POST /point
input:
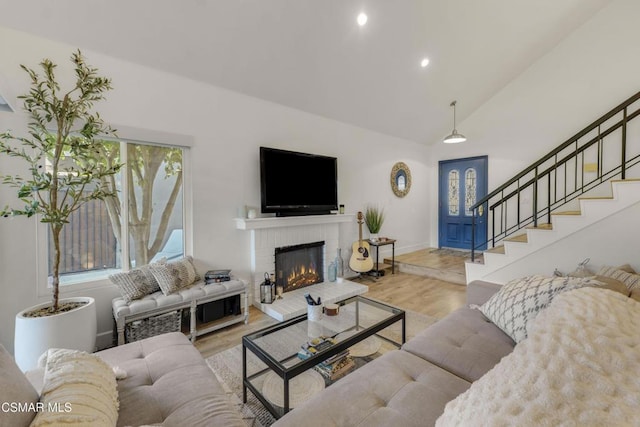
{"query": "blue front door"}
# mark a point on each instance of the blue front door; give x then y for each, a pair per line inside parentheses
(462, 182)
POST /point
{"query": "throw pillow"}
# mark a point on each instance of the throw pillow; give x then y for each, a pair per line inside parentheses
(136, 283)
(631, 281)
(132, 284)
(518, 302)
(175, 275)
(151, 280)
(612, 284)
(79, 388)
(627, 268)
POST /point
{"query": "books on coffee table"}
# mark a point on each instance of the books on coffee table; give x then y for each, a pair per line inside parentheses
(332, 368)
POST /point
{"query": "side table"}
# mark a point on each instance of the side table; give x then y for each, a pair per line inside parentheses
(376, 272)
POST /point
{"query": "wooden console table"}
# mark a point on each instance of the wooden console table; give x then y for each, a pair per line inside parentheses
(376, 271)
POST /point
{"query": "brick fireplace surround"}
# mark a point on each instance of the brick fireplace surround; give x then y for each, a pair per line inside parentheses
(270, 233)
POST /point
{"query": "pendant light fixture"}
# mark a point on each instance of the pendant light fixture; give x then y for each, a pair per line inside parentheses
(455, 137)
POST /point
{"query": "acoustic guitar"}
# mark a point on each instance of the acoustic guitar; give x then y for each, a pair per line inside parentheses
(361, 261)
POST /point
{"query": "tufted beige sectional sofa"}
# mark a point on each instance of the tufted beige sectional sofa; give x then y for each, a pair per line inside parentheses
(168, 383)
(411, 386)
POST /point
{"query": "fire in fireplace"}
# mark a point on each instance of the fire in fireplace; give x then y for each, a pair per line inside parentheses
(299, 265)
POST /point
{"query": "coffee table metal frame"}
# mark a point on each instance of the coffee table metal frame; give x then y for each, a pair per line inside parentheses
(288, 373)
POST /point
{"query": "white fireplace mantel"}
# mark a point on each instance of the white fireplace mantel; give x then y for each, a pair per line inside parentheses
(272, 232)
(291, 221)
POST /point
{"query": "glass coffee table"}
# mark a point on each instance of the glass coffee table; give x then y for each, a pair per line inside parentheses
(277, 346)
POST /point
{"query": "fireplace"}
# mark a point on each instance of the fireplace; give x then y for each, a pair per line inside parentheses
(299, 265)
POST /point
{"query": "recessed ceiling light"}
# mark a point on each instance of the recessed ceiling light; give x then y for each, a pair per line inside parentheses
(362, 19)
(424, 62)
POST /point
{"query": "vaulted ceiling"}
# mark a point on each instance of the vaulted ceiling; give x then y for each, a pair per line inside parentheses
(312, 55)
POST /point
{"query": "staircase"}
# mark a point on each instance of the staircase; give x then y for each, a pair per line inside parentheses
(582, 182)
(520, 254)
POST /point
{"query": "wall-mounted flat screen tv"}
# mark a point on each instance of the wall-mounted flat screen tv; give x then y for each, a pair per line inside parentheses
(293, 183)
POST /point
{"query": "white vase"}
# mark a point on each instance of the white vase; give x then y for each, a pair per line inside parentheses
(75, 329)
(373, 237)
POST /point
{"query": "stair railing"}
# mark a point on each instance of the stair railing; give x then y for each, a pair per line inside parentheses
(559, 177)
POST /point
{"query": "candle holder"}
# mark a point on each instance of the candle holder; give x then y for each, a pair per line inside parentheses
(267, 290)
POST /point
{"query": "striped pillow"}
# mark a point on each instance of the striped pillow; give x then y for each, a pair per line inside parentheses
(83, 388)
(631, 281)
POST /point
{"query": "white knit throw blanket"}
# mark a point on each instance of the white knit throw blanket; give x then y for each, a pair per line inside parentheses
(579, 366)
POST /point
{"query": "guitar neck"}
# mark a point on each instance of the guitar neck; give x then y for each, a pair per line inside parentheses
(360, 234)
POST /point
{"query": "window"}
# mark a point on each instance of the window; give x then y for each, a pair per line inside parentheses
(470, 196)
(143, 224)
(454, 193)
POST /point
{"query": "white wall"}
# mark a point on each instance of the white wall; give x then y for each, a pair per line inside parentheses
(591, 71)
(226, 129)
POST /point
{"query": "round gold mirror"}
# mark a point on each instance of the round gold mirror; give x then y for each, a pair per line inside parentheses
(400, 179)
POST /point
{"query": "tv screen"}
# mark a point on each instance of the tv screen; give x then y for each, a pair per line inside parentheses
(295, 183)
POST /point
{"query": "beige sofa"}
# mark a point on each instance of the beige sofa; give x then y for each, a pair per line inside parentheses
(168, 383)
(467, 364)
(411, 386)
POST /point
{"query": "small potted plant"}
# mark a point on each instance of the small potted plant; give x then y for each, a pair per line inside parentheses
(63, 172)
(373, 218)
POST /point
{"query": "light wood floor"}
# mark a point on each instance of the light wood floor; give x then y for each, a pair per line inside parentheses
(443, 264)
(425, 295)
(432, 258)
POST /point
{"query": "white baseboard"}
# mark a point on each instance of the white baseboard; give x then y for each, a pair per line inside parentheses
(104, 340)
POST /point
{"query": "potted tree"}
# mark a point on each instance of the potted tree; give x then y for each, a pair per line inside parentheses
(373, 218)
(61, 153)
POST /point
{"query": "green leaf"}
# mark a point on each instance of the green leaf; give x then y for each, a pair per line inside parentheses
(24, 191)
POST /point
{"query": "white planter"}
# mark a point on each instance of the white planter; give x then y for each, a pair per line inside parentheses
(75, 329)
